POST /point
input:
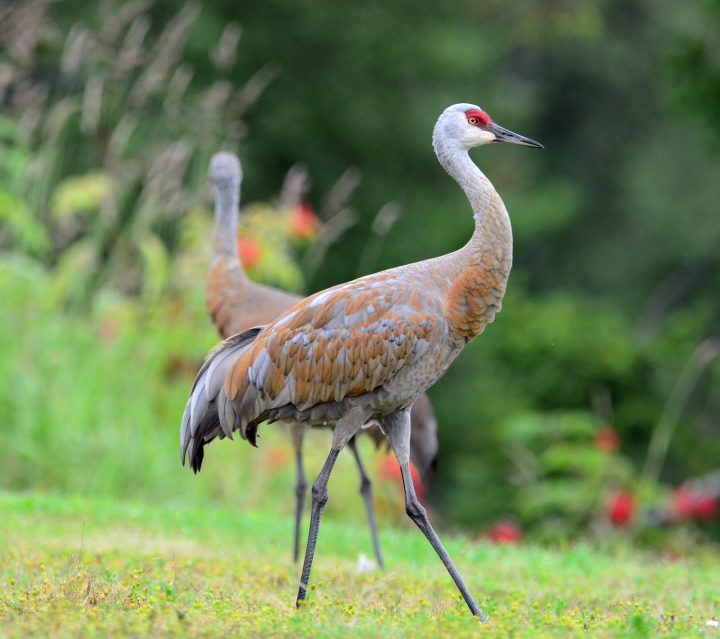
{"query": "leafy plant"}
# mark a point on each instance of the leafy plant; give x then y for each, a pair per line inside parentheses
(107, 140)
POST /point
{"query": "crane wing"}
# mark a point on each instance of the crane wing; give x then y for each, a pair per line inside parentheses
(341, 342)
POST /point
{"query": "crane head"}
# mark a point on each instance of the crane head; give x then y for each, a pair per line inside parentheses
(464, 126)
(225, 171)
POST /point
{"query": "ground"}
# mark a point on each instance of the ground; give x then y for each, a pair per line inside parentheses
(71, 567)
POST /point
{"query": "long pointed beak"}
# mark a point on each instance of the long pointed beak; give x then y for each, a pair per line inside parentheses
(503, 135)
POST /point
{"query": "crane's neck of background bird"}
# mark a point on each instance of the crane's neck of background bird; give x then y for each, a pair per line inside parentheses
(225, 231)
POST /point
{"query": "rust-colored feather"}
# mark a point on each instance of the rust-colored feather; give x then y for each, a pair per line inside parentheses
(368, 362)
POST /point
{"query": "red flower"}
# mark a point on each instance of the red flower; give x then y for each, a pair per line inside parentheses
(390, 469)
(109, 329)
(607, 439)
(688, 504)
(304, 224)
(621, 508)
(505, 532)
(277, 456)
(250, 251)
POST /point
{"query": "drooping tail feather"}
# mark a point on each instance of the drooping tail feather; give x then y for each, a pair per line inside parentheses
(201, 421)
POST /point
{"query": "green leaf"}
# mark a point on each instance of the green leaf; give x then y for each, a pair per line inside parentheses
(156, 265)
(81, 195)
(74, 271)
(28, 232)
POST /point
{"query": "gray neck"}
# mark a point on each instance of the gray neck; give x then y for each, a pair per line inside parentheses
(493, 232)
(225, 231)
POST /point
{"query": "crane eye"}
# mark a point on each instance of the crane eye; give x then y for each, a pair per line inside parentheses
(472, 120)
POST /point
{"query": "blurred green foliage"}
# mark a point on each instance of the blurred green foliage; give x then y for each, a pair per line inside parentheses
(110, 114)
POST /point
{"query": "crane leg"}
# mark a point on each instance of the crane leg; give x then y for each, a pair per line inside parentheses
(366, 492)
(397, 429)
(345, 428)
(319, 499)
(297, 432)
(300, 490)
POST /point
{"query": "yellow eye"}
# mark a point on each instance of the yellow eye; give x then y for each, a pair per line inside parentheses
(472, 120)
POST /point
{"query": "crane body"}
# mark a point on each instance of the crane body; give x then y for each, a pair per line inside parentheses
(236, 303)
(367, 349)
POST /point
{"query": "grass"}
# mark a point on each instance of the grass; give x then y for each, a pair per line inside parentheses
(71, 567)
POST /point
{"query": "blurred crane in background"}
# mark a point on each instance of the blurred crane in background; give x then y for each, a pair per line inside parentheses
(366, 350)
(236, 303)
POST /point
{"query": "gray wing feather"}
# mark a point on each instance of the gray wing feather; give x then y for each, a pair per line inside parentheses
(185, 434)
(208, 410)
(214, 382)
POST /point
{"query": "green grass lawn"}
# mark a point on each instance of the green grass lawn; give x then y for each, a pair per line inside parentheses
(70, 567)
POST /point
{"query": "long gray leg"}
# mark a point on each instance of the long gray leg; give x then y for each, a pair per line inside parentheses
(319, 499)
(366, 492)
(296, 433)
(345, 428)
(300, 489)
(397, 430)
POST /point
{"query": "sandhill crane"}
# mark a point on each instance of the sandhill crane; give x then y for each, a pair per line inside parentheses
(367, 349)
(236, 303)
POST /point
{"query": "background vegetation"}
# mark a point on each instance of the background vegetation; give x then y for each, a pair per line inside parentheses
(111, 111)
